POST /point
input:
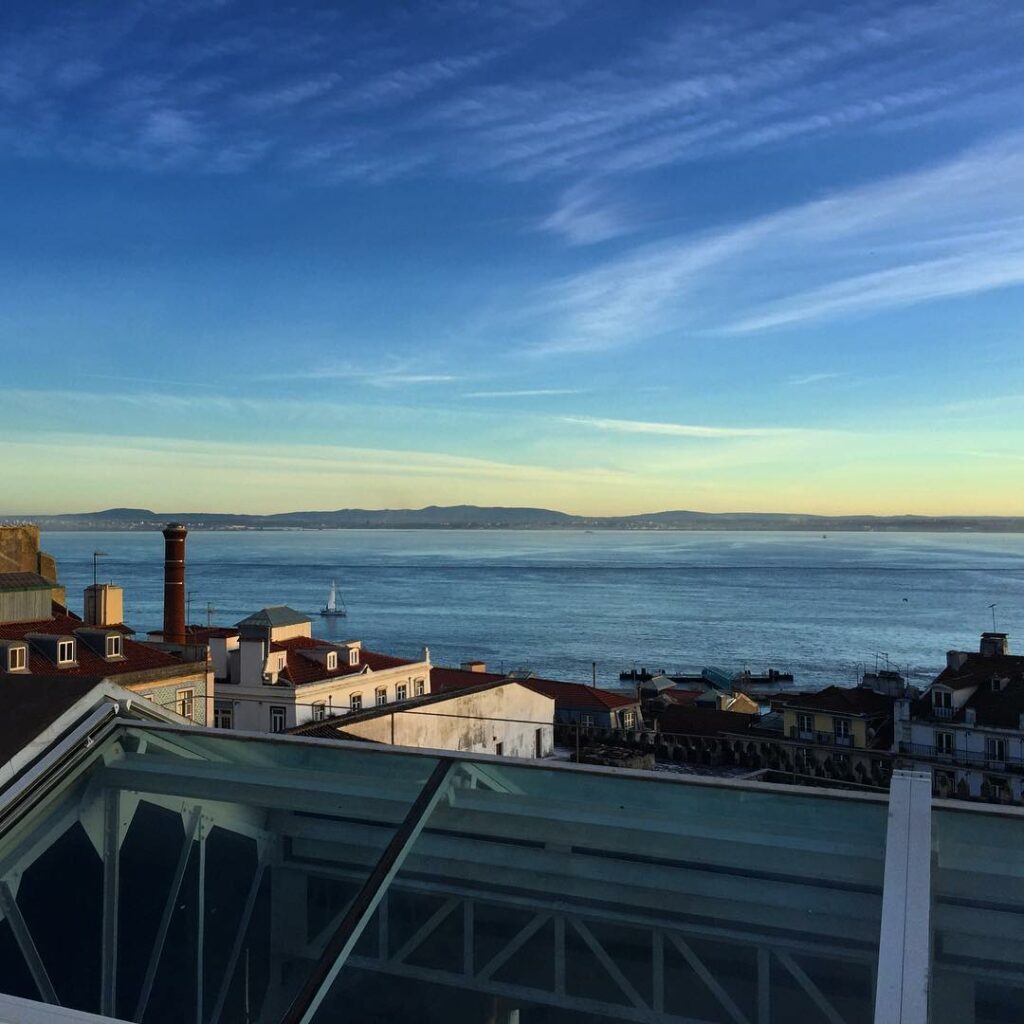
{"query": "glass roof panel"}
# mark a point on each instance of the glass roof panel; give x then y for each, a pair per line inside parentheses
(577, 896)
(977, 916)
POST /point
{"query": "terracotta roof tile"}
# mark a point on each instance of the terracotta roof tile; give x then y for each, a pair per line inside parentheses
(137, 657)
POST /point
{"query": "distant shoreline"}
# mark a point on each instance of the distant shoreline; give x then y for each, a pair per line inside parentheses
(471, 517)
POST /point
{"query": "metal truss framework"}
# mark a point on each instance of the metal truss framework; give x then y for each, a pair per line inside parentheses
(901, 991)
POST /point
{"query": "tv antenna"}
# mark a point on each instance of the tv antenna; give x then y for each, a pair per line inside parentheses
(209, 613)
(992, 609)
(96, 556)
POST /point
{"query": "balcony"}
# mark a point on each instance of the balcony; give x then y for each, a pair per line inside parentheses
(962, 758)
(843, 741)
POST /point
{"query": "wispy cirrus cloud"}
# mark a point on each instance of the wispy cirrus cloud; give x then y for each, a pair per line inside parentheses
(811, 378)
(462, 88)
(391, 375)
(525, 393)
(692, 430)
(952, 229)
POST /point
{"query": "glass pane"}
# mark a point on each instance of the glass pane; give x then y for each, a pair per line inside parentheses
(235, 860)
(977, 917)
(544, 895)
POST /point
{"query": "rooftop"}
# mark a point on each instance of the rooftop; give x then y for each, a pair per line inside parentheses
(24, 581)
(275, 615)
(300, 670)
(858, 701)
(136, 657)
(567, 695)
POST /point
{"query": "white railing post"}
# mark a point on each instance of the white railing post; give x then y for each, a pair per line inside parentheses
(901, 992)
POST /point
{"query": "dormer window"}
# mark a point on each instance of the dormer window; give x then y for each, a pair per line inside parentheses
(332, 660)
(113, 645)
(16, 659)
(353, 656)
(66, 652)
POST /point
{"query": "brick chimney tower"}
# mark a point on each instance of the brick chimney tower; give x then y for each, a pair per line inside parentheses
(174, 583)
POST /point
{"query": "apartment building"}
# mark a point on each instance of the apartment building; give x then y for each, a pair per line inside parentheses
(968, 726)
(271, 674)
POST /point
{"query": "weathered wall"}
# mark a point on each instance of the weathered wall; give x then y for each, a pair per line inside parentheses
(19, 552)
(510, 715)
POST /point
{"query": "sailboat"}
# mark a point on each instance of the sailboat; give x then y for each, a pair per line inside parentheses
(335, 607)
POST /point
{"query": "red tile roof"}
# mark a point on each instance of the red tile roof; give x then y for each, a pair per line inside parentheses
(844, 700)
(300, 670)
(567, 695)
(137, 657)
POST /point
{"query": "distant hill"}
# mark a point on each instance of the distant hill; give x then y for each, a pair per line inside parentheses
(436, 517)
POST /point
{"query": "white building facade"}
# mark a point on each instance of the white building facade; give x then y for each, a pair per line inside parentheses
(272, 674)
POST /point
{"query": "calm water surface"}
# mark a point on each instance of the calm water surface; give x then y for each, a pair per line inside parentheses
(556, 601)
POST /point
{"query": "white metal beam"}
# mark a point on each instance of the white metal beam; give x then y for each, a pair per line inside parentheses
(901, 993)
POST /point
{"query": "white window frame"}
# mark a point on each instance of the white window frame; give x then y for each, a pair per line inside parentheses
(804, 722)
(355, 702)
(319, 710)
(628, 719)
(65, 652)
(380, 696)
(332, 660)
(402, 691)
(353, 656)
(223, 717)
(586, 719)
(419, 688)
(185, 703)
(17, 658)
(112, 645)
(945, 742)
(278, 713)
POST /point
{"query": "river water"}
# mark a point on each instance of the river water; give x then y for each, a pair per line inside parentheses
(554, 601)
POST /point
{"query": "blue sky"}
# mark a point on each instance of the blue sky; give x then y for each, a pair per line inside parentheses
(594, 256)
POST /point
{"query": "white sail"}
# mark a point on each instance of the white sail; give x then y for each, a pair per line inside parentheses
(332, 600)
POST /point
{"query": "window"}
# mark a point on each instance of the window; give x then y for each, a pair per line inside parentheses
(15, 659)
(382, 696)
(499, 749)
(65, 652)
(332, 660)
(113, 646)
(353, 656)
(628, 719)
(184, 703)
(418, 688)
(942, 703)
(586, 719)
(223, 716)
(280, 662)
(995, 750)
(401, 691)
(319, 711)
(277, 719)
(538, 743)
(841, 729)
(355, 702)
(805, 724)
(944, 742)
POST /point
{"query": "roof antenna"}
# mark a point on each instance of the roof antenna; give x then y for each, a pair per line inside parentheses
(992, 609)
(209, 613)
(97, 555)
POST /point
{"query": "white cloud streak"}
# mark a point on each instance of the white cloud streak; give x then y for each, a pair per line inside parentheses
(854, 253)
(690, 430)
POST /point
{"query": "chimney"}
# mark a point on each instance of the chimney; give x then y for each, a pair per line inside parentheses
(474, 666)
(104, 604)
(174, 583)
(994, 645)
(955, 660)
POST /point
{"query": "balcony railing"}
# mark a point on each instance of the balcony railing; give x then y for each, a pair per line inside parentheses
(963, 758)
(843, 741)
